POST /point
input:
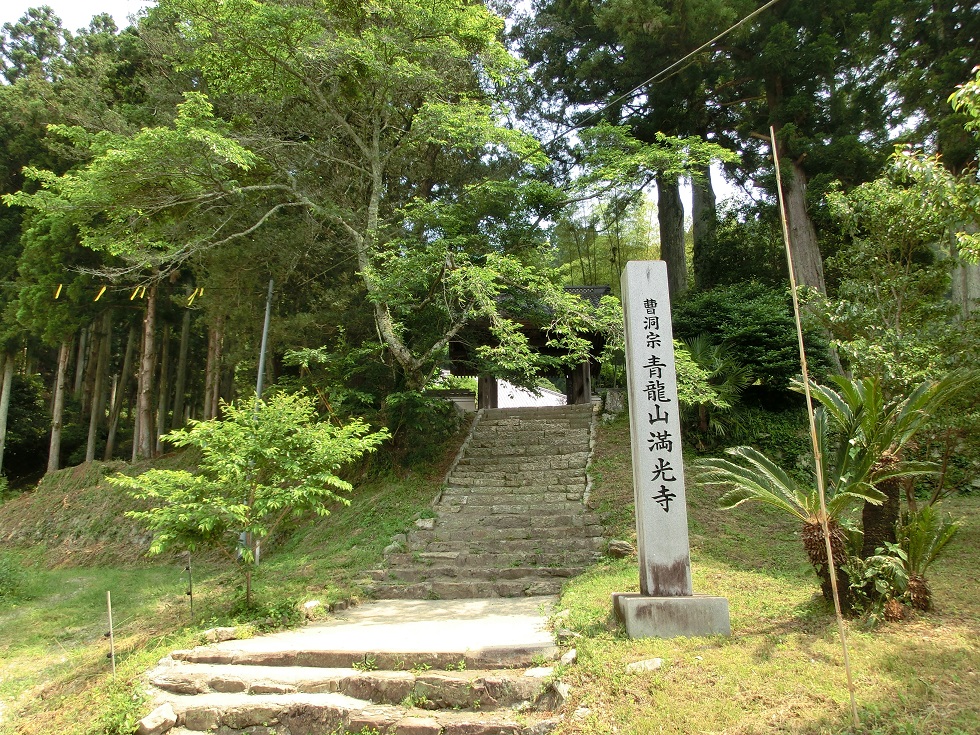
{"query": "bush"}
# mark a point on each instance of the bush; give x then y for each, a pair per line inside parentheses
(420, 425)
(755, 324)
(265, 461)
(12, 578)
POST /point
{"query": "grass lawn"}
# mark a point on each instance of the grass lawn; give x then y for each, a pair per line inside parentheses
(780, 672)
(55, 676)
(782, 669)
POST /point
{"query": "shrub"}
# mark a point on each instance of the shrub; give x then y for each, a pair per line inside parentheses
(755, 325)
(265, 461)
(12, 578)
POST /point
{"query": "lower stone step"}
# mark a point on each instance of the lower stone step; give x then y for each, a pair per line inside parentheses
(418, 573)
(499, 560)
(303, 714)
(535, 546)
(452, 589)
(427, 689)
(453, 532)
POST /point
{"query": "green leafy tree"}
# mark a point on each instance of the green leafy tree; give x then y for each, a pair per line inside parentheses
(262, 463)
(584, 55)
(934, 49)
(383, 126)
(890, 316)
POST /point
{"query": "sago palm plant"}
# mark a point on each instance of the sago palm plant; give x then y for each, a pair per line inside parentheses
(923, 536)
(878, 432)
(752, 476)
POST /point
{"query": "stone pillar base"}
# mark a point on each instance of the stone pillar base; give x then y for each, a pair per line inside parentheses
(672, 617)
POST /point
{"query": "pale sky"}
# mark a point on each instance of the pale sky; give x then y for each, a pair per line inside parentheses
(74, 14)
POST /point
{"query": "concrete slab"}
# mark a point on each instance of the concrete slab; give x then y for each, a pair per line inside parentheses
(474, 629)
(672, 617)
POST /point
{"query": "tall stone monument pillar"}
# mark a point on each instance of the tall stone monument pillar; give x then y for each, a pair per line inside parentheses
(666, 606)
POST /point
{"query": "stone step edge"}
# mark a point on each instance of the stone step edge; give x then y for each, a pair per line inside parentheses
(489, 658)
(338, 713)
(441, 689)
(453, 589)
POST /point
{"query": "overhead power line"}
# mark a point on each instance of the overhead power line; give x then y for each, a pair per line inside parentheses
(664, 72)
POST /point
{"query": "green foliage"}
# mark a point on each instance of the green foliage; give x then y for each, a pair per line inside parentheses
(694, 386)
(873, 426)
(748, 246)
(755, 325)
(782, 435)
(923, 536)
(754, 477)
(876, 580)
(27, 426)
(421, 424)
(263, 462)
(12, 578)
(123, 705)
(269, 614)
(893, 572)
(129, 177)
(617, 161)
(593, 244)
(726, 377)
(890, 316)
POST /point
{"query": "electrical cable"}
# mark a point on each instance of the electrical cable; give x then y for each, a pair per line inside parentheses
(663, 72)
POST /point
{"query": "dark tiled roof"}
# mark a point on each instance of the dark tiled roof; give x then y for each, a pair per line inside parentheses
(592, 294)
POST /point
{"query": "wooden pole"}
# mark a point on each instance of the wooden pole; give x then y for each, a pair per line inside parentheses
(818, 460)
(112, 639)
(190, 585)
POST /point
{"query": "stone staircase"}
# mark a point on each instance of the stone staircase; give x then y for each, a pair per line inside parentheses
(468, 667)
(511, 520)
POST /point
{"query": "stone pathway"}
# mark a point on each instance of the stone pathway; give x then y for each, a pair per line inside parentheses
(512, 518)
(407, 667)
(511, 522)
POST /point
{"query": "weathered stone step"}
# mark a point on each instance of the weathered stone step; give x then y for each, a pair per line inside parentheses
(564, 521)
(544, 478)
(538, 546)
(478, 534)
(466, 574)
(304, 714)
(528, 510)
(497, 561)
(570, 458)
(476, 448)
(534, 492)
(492, 472)
(427, 689)
(567, 498)
(457, 590)
(480, 659)
(551, 432)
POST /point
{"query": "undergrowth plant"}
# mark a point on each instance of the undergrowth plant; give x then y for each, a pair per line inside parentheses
(12, 577)
(262, 463)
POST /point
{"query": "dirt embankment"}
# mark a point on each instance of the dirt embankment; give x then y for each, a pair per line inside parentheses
(78, 518)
